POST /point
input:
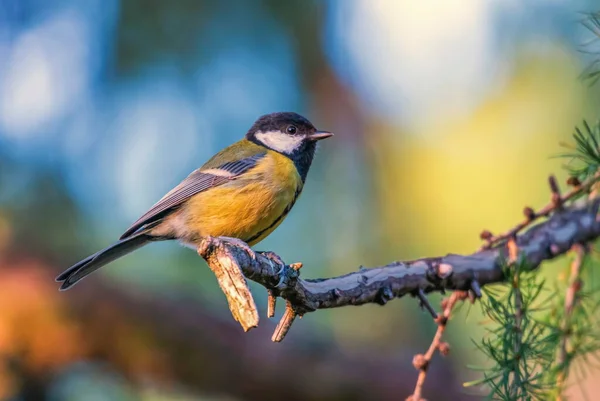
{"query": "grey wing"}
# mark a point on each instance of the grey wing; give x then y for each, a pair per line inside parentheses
(196, 182)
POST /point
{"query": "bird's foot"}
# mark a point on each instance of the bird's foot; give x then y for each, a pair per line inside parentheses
(238, 242)
(274, 261)
(273, 257)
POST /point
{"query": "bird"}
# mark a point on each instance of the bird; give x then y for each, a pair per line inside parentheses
(241, 194)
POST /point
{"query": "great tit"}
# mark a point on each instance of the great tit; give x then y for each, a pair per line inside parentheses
(241, 194)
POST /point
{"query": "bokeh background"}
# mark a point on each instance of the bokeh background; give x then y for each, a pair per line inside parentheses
(446, 116)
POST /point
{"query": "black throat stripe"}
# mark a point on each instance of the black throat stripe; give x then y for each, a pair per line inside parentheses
(281, 216)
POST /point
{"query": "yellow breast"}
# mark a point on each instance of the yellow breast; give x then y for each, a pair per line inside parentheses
(249, 207)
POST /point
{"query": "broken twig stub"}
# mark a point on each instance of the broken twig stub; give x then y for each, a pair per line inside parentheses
(232, 282)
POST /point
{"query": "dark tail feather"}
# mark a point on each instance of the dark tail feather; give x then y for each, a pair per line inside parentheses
(92, 263)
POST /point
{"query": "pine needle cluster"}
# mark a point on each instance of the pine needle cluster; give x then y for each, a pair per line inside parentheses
(540, 336)
(519, 345)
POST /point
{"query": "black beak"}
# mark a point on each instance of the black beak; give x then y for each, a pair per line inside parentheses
(317, 136)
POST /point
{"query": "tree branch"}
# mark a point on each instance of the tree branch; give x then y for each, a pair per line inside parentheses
(421, 361)
(571, 299)
(233, 284)
(551, 238)
(555, 204)
(513, 258)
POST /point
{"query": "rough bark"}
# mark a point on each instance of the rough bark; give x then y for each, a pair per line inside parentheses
(545, 241)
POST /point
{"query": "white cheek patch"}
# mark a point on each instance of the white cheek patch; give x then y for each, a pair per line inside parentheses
(279, 141)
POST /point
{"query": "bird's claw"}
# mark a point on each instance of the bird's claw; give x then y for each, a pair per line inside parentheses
(280, 285)
(273, 257)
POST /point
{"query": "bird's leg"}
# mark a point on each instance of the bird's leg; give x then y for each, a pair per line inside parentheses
(238, 242)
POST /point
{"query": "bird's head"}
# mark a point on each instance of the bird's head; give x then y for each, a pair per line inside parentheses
(287, 133)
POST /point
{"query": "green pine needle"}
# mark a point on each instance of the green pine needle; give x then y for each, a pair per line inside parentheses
(520, 356)
(584, 154)
(524, 363)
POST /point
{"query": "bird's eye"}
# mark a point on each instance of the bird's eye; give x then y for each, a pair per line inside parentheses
(291, 129)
